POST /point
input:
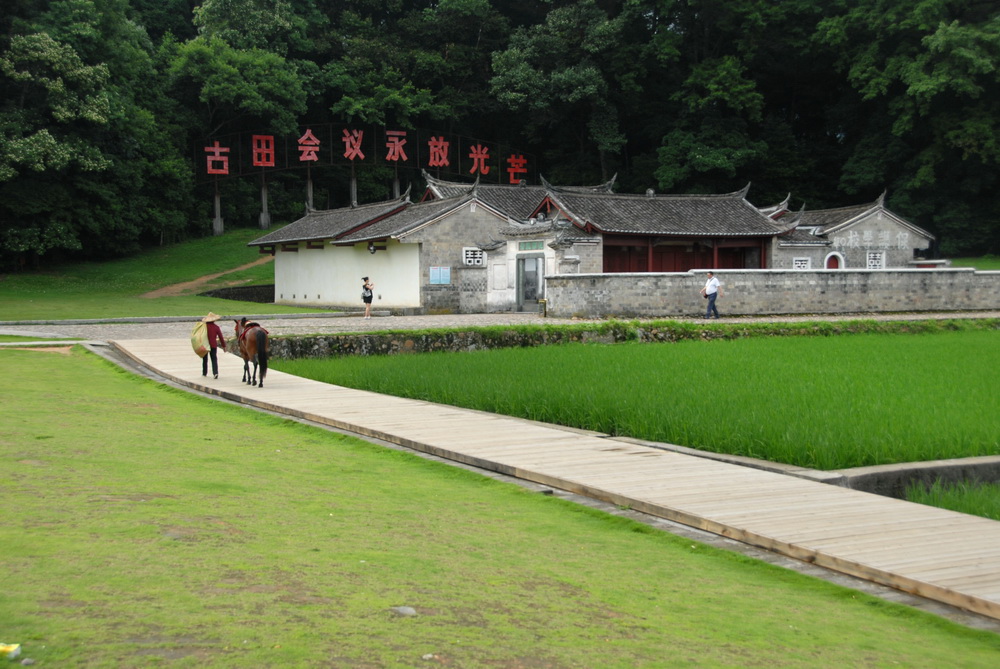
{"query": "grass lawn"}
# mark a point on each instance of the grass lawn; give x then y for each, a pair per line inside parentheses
(981, 262)
(13, 339)
(114, 289)
(195, 533)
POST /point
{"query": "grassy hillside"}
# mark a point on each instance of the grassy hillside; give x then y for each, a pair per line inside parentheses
(115, 289)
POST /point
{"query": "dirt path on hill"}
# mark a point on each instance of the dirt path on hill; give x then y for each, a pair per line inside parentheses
(192, 286)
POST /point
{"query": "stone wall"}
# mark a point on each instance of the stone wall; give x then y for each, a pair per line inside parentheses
(337, 345)
(604, 332)
(893, 480)
(756, 292)
(441, 245)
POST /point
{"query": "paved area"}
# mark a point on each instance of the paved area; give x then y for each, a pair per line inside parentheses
(276, 324)
(325, 323)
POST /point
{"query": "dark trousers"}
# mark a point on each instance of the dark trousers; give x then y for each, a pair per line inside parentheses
(711, 306)
(215, 363)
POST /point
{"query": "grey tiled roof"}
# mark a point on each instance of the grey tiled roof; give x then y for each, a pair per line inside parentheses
(799, 237)
(828, 221)
(412, 217)
(606, 187)
(727, 215)
(513, 200)
(351, 225)
(597, 208)
(828, 218)
(329, 224)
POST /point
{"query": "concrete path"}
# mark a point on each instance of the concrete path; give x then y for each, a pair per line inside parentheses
(330, 322)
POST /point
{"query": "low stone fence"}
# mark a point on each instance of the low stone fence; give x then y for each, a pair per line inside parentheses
(337, 345)
(758, 292)
(607, 332)
(893, 480)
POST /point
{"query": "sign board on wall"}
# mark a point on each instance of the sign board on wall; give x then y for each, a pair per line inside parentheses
(440, 275)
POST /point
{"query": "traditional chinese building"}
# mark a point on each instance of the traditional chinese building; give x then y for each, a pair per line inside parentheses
(464, 248)
(865, 236)
(668, 233)
(487, 247)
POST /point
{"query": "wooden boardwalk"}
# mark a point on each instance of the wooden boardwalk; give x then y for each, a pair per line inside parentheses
(941, 555)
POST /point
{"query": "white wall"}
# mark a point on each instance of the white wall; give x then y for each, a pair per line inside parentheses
(331, 276)
(502, 277)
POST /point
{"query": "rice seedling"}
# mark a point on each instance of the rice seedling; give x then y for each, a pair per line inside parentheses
(820, 402)
(977, 499)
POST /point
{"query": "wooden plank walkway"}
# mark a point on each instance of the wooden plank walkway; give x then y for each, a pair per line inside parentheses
(941, 555)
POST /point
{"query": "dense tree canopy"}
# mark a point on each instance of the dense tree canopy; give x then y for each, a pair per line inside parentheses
(101, 102)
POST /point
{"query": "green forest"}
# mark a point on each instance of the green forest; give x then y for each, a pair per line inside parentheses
(832, 102)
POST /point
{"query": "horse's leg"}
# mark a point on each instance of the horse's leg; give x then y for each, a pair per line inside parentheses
(254, 371)
(246, 371)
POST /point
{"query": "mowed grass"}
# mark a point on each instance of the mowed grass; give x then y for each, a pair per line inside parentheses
(145, 526)
(819, 402)
(115, 289)
(986, 263)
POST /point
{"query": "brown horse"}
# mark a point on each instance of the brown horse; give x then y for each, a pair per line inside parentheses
(254, 346)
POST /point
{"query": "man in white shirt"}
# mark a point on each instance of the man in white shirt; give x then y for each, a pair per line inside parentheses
(712, 290)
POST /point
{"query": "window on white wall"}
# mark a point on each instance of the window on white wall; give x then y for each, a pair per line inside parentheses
(473, 256)
(801, 263)
(876, 260)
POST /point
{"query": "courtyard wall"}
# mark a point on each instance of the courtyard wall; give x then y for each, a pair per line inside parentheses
(773, 291)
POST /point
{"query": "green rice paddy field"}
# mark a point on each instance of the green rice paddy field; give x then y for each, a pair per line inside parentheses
(820, 402)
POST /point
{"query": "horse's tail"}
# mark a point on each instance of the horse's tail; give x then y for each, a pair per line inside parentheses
(262, 352)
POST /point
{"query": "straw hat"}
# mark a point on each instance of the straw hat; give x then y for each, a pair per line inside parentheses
(211, 318)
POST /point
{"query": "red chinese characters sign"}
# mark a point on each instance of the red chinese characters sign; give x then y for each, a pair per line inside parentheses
(340, 144)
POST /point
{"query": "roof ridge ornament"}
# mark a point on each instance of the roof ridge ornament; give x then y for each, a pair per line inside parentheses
(798, 215)
(606, 187)
(610, 185)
